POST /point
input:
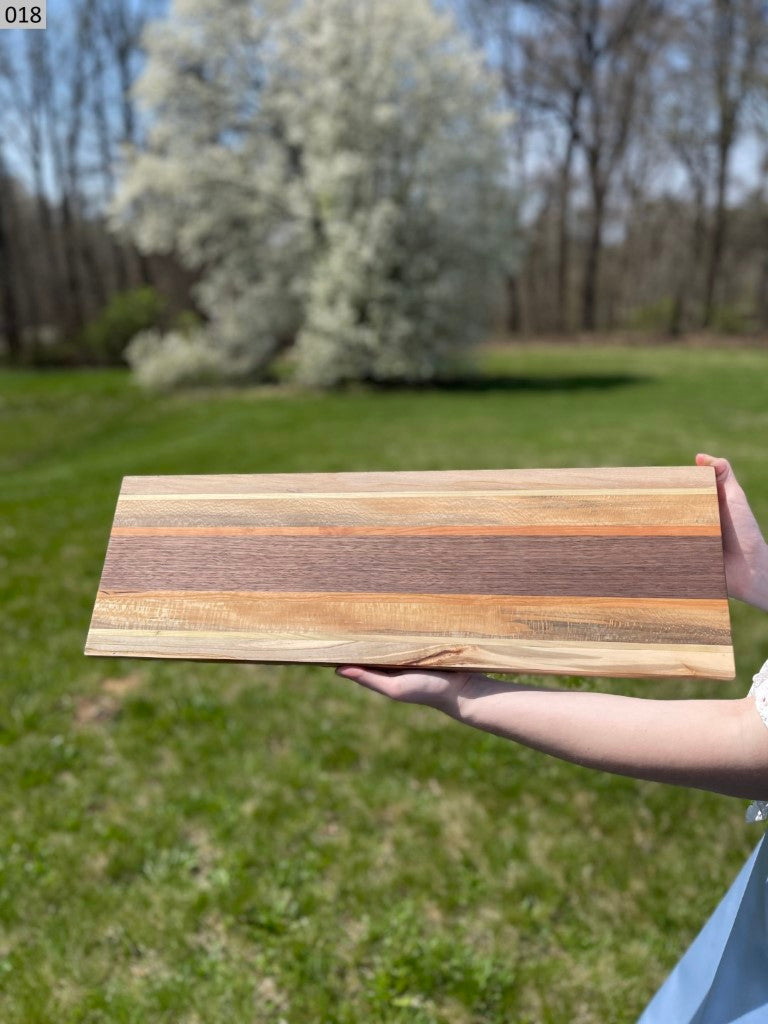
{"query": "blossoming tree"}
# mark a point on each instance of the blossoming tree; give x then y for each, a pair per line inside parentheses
(336, 171)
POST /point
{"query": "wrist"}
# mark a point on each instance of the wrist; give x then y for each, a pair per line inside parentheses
(469, 706)
(455, 701)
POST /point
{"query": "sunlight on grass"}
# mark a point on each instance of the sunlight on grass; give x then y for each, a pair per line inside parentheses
(209, 843)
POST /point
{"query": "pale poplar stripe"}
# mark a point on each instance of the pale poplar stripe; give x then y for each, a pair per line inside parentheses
(417, 640)
(466, 530)
(500, 493)
(540, 657)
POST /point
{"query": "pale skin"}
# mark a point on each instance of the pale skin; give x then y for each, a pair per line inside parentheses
(718, 745)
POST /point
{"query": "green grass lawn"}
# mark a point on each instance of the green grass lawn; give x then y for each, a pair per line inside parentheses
(198, 843)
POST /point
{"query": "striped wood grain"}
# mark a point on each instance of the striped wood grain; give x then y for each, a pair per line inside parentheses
(595, 572)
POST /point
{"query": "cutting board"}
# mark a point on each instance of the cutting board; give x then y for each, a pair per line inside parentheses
(611, 572)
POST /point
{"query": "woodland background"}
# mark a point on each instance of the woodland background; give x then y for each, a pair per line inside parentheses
(639, 149)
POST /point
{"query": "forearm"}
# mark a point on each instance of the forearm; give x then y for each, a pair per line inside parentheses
(754, 588)
(717, 745)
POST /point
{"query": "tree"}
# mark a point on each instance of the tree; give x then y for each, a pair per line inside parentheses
(10, 320)
(738, 32)
(336, 171)
(65, 109)
(577, 74)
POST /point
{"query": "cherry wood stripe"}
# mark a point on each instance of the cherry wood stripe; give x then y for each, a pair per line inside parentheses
(683, 567)
(415, 531)
(509, 655)
(472, 615)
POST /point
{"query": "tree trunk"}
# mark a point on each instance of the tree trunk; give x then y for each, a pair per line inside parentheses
(762, 281)
(146, 275)
(563, 231)
(49, 260)
(513, 304)
(718, 234)
(677, 312)
(563, 244)
(691, 263)
(9, 308)
(95, 265)
(119, 263)
(76, 306)
(589, 296)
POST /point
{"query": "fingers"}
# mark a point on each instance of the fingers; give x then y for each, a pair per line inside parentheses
(380, 682)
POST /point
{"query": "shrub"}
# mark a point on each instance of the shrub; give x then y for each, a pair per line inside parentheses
(654, 317)
(178, 358)
(731, 319)
(104, 339)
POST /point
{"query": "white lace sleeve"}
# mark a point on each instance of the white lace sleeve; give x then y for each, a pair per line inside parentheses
(758, 809)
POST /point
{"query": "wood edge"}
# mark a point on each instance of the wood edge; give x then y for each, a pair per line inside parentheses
(720, 603)
(500, 670)
(100, 588)
(731, 671)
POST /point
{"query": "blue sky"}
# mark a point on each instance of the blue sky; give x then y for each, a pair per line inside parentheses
(745, 161)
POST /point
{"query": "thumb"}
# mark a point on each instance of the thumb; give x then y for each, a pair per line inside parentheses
(722, 467)
(730, 496)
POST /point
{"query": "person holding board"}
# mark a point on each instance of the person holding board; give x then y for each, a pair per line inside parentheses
(717, 745)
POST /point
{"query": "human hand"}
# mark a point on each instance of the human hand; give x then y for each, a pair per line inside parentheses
(744, 549)
(439, 690)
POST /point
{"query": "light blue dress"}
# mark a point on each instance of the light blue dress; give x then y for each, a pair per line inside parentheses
(723, 976)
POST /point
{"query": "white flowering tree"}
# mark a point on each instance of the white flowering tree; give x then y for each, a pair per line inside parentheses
(336, 171)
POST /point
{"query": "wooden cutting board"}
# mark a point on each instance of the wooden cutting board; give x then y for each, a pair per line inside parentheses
(612, 572)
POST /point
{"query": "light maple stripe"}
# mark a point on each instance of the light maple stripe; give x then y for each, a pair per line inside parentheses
(543, 645)
(344, 613)
(608, 510)
(646, 478)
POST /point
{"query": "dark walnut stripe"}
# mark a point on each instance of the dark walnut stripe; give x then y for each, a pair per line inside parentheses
(676, 567)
